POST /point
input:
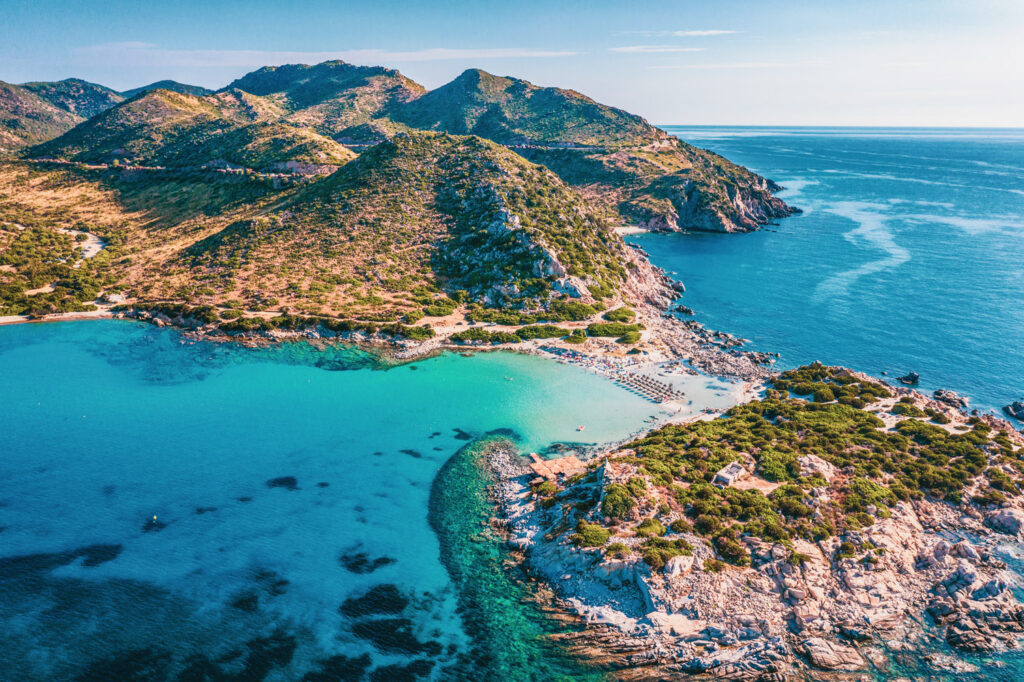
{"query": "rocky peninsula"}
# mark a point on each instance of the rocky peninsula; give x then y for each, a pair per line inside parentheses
(837, 524)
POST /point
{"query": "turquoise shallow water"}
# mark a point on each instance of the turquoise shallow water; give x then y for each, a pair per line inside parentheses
(907, 257)
(281, 489)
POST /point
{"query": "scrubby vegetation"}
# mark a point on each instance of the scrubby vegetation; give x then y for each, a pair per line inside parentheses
(876, 468)
(612, 329)
(38, 273)
(216, 198)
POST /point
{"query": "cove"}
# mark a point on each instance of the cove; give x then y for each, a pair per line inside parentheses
(177, 510)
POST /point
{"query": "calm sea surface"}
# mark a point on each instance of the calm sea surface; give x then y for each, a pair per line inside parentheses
(207, 512)
(909, 254)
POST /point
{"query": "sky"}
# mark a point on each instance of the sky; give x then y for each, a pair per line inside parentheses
(707, 62)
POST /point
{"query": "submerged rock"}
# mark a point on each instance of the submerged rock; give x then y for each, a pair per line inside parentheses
(418, 669)
(133, 664)
(286, 482)
(394, 635)
(339, 669)
(381, 599)
(246, 602)
(361, 563)
(32, 564)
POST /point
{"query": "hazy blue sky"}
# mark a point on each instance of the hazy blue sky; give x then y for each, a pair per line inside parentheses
(820, 62)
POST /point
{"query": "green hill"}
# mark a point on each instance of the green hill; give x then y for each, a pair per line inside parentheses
(76, 96)
(514, 112)
(329, 96)
(415, 213)
(26, 118)
(635, 172)
(164, 128)
(173, 86)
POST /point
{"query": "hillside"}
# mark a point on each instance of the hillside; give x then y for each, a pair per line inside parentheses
(417, 213)
(412, 227)
(668, 186)
(76, 96)
(26, 118)
(329, 96)
(164, 128)
(173, 86)
(634, 171)
(631, 171)
(515, 112)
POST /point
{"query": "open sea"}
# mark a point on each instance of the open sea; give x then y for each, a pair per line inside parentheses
(909, 255)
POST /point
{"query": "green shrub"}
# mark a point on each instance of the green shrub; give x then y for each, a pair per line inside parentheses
(637, 487)
(629, 338)
(590, 534)
(545, 489)
(541, 331)
(617, 502)
(681, 526)
(824, 395)
(617, 550)
(413, 316)
(650, 527)
(577, 336)
(611, 329)
(705, 524)
(623, 314)
(732, 551)
(906, 410)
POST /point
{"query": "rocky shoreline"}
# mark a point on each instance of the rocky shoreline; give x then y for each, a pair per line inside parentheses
(649, 290)
(931, 584)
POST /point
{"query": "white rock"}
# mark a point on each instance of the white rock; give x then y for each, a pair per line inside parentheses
(1007, 521)
(678, 565)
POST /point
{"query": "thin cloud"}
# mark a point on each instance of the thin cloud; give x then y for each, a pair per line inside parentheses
(655, 48)
(698, 33)
(736, 65)
(153, 55)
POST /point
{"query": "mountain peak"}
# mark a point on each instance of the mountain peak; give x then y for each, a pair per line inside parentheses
(76, 96)
(173, 86)
(517, 112)
(332, 95)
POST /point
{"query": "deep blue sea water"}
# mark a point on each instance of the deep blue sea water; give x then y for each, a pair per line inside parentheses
(909, 254)
(186, 511)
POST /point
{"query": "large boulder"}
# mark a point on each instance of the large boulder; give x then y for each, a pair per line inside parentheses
(831, 655)
(1015, 409)
(1007, 520)
(678, 565)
